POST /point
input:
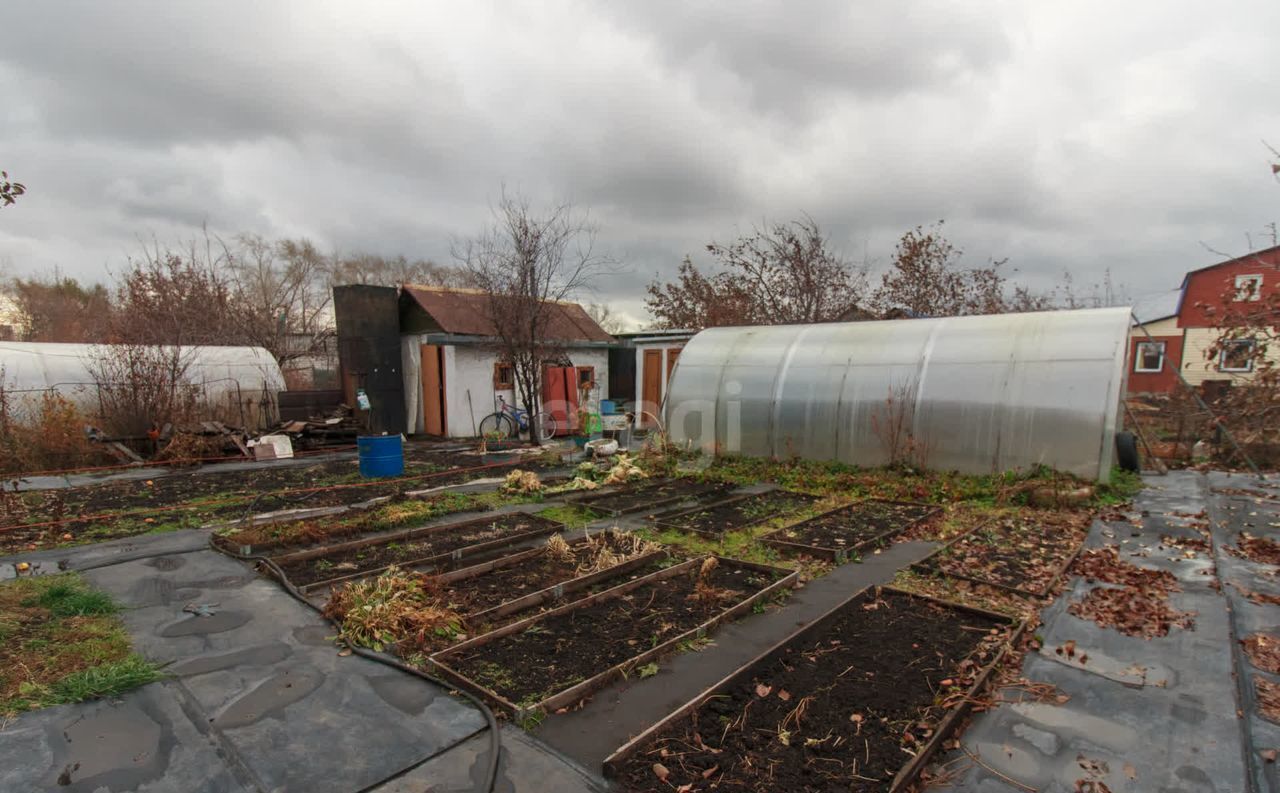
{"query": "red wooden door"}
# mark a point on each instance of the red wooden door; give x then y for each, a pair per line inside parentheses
(560, 397)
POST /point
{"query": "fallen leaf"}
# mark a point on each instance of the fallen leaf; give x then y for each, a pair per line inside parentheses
(707, 774)
(784, 695)
(1130, 771)
(762, 690)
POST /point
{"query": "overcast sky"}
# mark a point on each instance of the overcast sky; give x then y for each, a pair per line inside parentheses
(1081, 135)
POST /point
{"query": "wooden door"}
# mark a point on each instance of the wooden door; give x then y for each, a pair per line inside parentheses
(560, 397)
(672, 355)
(651, 389)
(434, 407)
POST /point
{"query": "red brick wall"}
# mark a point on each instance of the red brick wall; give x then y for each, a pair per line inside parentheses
(1163, 381)
(1210, 285)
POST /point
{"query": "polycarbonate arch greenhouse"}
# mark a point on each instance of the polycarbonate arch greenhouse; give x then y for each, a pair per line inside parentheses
(973, 394)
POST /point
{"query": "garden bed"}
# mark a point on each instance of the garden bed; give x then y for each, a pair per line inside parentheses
(41, 518)
(551, 661)
(276, 538)
(650, 496)
(1026, 555)
(856, 701)
(713, 520)
(835, 535)
(499, 588)
(442, 545)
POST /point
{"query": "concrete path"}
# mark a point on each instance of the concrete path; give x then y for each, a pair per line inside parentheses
(1241, 503)
(257, 698)
(1153, 715)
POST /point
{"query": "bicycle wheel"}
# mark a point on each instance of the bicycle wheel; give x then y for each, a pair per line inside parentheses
(546, 426)
(497, 426)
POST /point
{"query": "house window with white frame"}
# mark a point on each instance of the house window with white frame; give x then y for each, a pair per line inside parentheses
(1150, 357)
(1248, 287)
(1236, 355)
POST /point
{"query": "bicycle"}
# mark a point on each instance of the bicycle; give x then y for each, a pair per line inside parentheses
(509, 421)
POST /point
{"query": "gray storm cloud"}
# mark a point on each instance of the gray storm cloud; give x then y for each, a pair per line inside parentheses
(1080, 136)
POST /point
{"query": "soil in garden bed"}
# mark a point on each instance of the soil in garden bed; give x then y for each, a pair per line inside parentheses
(470, 596)
(842, 709)
(656, 495)
(125, 509)
(855, 526)
(371, 557)
(502, 584)
(289, 536)
(726, 516)
(559, 652)
(1023, 553)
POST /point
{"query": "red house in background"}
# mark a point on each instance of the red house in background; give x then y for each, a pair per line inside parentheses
(1162, 346)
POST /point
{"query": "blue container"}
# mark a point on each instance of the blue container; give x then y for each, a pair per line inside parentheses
(380, 455)
(608, 408)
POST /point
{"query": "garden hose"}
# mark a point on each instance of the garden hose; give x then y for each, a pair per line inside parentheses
(495, 738)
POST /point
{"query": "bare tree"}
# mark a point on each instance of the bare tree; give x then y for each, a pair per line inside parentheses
(280, 296)
(605, 318)
(168, 301)
(370, 268)
(779, 274)
(525, 262)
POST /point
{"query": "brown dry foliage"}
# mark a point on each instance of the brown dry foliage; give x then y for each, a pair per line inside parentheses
(1257, 549)
(43, 432)
(1263, 651)
(1105, 564)
(1131, 611)
(1268, 698)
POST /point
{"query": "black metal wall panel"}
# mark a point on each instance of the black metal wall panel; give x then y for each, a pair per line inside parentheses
(368, 320)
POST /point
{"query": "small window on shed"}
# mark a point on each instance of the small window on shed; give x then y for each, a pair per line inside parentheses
(1248, 287)
(504, 376)
(1150, 357)
(586, 376)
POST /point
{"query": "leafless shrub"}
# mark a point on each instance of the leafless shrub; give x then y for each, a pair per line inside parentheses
(892, 422)
(142, 387)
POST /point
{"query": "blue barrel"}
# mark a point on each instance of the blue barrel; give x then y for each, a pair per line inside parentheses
(380, 455)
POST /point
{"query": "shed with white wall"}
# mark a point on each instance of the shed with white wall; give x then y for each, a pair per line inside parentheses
(453, 371)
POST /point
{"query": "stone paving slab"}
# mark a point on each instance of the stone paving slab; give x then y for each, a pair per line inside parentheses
(143, 741)
(1143, 715)
(526, 765)
(258, 697)
(1257, 511)
(271, 681)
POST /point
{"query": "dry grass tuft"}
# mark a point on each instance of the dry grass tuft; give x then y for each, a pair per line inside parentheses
(393, 608)
(522, 482)
(559, 549)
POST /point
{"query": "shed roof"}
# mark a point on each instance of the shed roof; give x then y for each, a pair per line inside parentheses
(465, 312)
